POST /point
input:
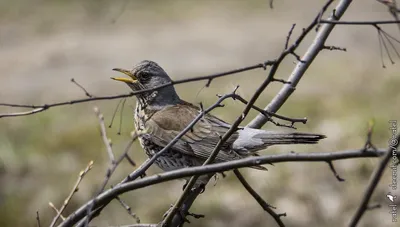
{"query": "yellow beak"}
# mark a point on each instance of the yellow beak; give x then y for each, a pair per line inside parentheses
(132, 78)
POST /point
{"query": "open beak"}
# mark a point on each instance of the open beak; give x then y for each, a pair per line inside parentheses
(132, 78)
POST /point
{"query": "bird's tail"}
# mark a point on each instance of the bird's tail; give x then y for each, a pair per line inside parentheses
(255, 139)
(274, 138)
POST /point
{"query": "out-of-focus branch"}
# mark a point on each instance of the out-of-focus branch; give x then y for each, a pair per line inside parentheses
(38, 219)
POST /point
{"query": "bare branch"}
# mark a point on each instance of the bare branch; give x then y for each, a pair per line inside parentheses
(119, 189)
(107, 141)
(73, 191)
(110, 171)
(137, 225)
(40, 108)
(267, 207)
(332, 167)
(56, 210)
(308, 58)
(359, 22)
(373, 182)
(81, 87)
(38, 219)
(128, 209)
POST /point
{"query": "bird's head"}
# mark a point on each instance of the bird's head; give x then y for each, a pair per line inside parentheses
(149, 75)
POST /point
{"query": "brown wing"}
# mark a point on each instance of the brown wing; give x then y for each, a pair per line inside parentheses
(167, 123)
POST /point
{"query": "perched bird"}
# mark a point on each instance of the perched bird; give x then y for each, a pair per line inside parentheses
(161, 115)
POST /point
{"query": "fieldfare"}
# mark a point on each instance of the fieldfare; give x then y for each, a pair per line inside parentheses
(161, 115)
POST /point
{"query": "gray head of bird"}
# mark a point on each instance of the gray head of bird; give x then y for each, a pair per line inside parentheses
(149, 75)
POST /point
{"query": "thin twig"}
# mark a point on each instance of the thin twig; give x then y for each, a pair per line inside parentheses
(40, 108)
(308, 57)
(73, 191)
(136, 225)
(267, 207)
(115, 112)
(121, 116)
(81, 87)
(128, 209)
(38, 219)
(107, 142)
(113, 165)
(332, 167)
(57, 211)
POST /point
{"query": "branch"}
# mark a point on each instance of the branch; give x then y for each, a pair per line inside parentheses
(374, 180)
(106, 141)
(73, 191)
(38, 219)
(270, 78)
(110, 194)
(307, 59)
(113, 165)
(359, 22)
(40, 108)
(257, 197)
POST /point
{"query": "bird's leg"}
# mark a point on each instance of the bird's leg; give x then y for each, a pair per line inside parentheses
(184, 186)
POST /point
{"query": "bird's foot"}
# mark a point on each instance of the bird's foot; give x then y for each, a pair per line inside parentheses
(202, 188)
(197, 216)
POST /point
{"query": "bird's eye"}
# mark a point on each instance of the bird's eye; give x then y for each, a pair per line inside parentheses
(145, 75)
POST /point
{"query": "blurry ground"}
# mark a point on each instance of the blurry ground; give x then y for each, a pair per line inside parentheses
(43, 44)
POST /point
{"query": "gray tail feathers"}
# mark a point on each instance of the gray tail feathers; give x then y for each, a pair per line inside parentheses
(273, 138)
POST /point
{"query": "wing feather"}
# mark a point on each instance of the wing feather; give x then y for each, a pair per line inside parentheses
(167, 123)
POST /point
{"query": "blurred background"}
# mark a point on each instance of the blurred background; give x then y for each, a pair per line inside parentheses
(43, 44)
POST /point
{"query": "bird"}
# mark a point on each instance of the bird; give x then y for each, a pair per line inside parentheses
(160, 115)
